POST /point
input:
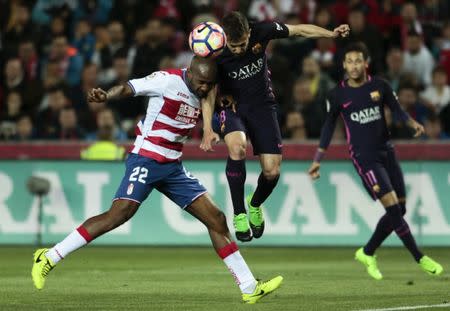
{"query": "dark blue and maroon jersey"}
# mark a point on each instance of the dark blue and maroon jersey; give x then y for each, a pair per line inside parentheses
(362, 110)
(247, 77)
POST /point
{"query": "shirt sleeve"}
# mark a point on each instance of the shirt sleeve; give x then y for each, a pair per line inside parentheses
(330, 122)
(151, 85)
(391, 100)
(273, 30)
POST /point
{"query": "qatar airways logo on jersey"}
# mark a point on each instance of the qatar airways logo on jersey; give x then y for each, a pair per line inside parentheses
(247, 71)
(366, 115)
(187, 114)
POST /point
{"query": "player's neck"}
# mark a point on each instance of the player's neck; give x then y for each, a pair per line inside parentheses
(357, 82)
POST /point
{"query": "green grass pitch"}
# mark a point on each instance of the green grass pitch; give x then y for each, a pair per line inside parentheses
(179, 279)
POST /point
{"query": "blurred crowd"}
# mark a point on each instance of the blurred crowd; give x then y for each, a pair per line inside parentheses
(53, 51)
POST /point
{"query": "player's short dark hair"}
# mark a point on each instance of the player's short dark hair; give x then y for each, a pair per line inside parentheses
(357, 47)
(235, 25)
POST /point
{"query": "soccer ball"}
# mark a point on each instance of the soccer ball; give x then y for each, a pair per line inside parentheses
(207, 39)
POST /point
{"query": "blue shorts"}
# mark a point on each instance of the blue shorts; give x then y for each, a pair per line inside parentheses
(259, 123)
(380, 173)
(172, 179)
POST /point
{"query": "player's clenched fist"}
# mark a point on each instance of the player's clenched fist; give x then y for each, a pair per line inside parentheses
(314, 170)
(209, 139)
(97, 95)
(341, 31)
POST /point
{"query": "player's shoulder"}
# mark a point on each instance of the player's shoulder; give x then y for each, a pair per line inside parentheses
(332, 95)
(163, 79)
(334, 91)
(255, 27)
(168, 75)
(173, 73)
(377, 80)
(260, 30)
(157, 75)
(382, 85)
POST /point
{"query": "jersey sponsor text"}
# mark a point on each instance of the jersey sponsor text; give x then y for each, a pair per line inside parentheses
(366, 115)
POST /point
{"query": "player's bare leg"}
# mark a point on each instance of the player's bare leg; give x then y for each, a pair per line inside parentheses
(213, 218)
(389, 199)
(268, 179)
(237, 145)
(45, 260)
(204, 209)
(270, 165)
(236, 174)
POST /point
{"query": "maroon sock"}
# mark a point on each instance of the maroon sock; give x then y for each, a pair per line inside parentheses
(236, 175)
(382, 231)
(401, 228)
(263, 190)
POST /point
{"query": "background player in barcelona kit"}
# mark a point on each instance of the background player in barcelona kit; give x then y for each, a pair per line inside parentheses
(175, 99)
(360, 102)
(244, 77)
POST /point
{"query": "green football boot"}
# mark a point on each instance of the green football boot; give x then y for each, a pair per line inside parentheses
(41, 267)
(256, 218)
(430, 266)
(242, 228)
(370, 262)
(262, 289)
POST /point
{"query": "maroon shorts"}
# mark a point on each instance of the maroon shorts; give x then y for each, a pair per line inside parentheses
(259, 123)
(380, 173)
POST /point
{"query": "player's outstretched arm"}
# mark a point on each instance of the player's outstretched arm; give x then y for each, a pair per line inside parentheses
(209, 136)
(392, 102)
(120, 91)
(325, 136)
(116, 92)
(313, 31)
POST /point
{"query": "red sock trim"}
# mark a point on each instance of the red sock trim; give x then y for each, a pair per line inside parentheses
(226, 251)
(83, 232)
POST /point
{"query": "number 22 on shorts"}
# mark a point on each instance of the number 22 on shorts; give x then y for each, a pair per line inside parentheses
(139, 174)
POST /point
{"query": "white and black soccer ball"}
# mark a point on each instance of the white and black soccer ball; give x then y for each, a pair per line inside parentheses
(207, 39)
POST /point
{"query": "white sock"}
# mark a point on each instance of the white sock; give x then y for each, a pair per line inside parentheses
(78, 238)
(238, 268)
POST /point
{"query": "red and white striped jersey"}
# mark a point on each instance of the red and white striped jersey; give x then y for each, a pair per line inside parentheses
(172, 111)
